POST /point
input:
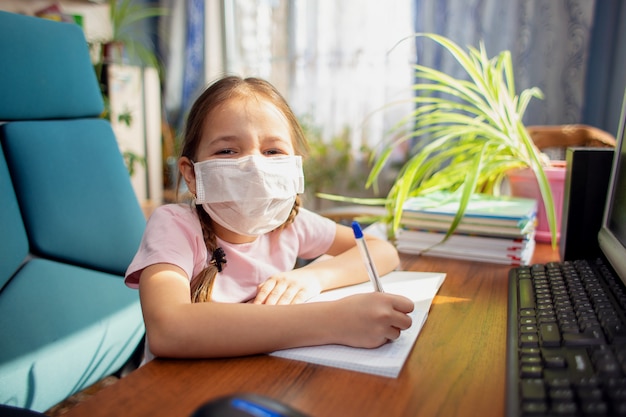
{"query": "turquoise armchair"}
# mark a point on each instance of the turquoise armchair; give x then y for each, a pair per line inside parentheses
(69, 221)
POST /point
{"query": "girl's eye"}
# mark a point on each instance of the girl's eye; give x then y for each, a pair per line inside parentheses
(271, 152)
(225, 152)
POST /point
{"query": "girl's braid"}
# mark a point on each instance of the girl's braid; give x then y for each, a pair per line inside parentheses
(202, 284)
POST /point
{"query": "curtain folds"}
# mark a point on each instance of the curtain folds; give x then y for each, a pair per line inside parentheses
(182, 47)
(606, 75)
(331, 59)
(336, 63)
(549, 42)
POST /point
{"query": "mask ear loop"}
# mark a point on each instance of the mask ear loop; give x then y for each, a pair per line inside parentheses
(193, 194)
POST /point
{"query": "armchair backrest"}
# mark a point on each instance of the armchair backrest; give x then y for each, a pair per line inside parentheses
(44, 73)
(68, 175)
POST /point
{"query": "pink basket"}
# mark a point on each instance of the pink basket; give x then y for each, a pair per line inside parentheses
(524, 184)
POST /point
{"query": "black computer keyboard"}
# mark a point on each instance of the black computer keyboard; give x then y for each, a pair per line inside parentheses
(566, 347)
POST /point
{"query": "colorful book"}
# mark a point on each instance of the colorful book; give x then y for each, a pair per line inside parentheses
(523, 258)
(476, 248)
(504, 231)
(426, 239)
(481, 209)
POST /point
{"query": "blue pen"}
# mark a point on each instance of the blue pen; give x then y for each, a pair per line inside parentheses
(365, 253)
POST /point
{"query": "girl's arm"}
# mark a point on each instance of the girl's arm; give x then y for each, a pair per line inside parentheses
(346, 267)
(175, 327)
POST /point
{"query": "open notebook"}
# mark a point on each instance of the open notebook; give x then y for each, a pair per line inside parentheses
(387, 360)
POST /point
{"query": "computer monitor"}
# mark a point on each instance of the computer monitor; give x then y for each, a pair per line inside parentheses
(612, 235)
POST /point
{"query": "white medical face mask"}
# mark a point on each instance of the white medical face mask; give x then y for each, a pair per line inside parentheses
(252, 195)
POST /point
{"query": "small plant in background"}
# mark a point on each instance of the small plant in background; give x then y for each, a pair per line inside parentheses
(124, 15)
(126, 40)
(332, 166)
(131, 159)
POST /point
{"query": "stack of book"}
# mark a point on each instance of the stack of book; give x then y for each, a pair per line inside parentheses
(493, 229)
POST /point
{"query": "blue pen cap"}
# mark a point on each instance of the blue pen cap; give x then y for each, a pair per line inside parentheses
(356, 227)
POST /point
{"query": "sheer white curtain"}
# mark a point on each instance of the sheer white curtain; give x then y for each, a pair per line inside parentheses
(333, 60)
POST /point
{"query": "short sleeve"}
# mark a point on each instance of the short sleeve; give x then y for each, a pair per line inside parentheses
(315, 233)
(173, 235)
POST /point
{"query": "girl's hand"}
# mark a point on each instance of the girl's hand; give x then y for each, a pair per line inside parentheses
(290, 287)
(370, 320)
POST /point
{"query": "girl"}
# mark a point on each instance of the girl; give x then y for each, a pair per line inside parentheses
(216, 279)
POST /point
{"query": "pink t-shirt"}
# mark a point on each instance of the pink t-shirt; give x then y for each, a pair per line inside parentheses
(173, 235)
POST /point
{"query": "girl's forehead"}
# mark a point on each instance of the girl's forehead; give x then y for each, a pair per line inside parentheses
(246, 102)
(240, 120)
(251, 108)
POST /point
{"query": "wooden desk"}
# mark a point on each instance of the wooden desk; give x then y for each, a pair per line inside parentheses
(457, 367)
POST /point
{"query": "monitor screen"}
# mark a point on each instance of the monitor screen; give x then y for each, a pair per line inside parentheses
(617, 210)
(612, 236)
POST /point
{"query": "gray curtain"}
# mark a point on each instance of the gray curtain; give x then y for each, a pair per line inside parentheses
(606, 75)
(549, 41)
(182, 47)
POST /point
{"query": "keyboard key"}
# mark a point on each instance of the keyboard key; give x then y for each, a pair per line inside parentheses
(530, 408)
(592, 337)
(617, 389)
(550, 334)
(554, 361)
(530, 351)
(589, 394)
(529, 371)
(532, 389)
(526, 294)
(556, 381)
(566, 408)
(605, 362)
(529, 340)
(528, 328)
(616, 332)
(587, 382)
(595, 408)
(530, 360)
(619, 409)
(562, 394)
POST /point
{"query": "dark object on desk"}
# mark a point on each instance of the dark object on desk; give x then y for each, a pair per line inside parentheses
(246, 405)
(10, 411)
(586, 182)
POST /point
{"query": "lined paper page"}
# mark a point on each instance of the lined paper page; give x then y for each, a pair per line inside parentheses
(388, 359)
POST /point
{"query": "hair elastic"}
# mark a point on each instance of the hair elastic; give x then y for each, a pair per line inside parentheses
(218, 259)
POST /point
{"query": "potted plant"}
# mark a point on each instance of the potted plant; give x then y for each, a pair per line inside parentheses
(471, 134)
(125, 40)
(124, 15)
